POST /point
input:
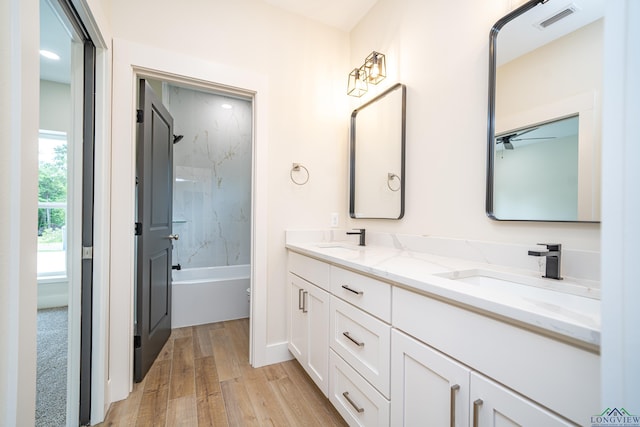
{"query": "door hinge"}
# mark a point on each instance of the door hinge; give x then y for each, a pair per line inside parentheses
(139, 116)
(138, 229)
(137, 341)
(87, 252)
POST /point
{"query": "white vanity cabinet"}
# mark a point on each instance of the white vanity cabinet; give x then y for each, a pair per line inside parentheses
(308, 331)
(430, 388)
(533, 376)
(389, 354)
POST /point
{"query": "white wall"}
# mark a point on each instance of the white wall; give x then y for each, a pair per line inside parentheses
(55, 106)
(306, 66)
(303, 64)
(19, 40)
(440, 50)
(621, 209)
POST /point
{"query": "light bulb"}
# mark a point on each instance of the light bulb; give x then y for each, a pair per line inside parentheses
(375, 70)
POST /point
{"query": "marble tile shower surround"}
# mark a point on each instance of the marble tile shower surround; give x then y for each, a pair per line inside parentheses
(212, 172)
(583, 265)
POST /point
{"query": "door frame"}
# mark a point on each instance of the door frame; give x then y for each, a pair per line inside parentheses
(130, 61)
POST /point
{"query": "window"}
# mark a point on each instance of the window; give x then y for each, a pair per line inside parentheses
(52, 206)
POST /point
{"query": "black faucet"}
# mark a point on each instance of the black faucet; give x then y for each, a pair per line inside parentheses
(361, 232)
(553, 254)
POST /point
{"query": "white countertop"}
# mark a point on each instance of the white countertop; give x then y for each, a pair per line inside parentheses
(567, 309)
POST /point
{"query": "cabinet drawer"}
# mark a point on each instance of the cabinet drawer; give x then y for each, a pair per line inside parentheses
(357, 401)
(371, 295)
(363, 341)
(314, 271)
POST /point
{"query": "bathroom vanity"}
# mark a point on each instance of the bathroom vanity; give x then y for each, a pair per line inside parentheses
(411, 330)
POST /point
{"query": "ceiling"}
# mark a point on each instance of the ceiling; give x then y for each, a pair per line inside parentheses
(54, 37)
(341, 14)
(523, 34)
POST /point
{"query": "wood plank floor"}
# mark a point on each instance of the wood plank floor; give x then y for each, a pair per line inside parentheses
(202, 377)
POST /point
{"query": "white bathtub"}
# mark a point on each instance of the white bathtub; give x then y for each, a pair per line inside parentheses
(208, 295)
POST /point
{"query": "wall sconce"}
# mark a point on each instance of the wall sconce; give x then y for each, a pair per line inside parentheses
(373, 71)
(376, 67)
(357, 82)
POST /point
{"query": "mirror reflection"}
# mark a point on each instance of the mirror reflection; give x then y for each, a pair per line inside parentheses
(541, 163)
(546, 67)
(377, 149)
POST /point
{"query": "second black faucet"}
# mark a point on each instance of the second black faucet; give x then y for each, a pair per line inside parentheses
(553, 254)
(361, 232)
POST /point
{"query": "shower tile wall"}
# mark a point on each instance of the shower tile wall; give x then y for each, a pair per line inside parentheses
(212, 171)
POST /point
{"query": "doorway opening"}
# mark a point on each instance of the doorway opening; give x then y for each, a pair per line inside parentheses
(211, 202)
(65, 216)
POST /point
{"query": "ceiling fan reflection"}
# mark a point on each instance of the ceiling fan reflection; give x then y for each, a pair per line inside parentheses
(507, 140)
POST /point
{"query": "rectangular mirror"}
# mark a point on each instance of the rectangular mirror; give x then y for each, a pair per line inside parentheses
(545, 82)
(377, 156)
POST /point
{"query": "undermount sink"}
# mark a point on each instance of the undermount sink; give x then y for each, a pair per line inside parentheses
(492, 278)
(540, 290)
(337, 245)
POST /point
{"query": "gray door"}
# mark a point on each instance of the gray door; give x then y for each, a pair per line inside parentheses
(154, 171)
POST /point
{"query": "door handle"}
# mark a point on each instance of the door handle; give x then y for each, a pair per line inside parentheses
(304, 302)
(452, 417)
(476, 407)
(173, 236)
(300, 305)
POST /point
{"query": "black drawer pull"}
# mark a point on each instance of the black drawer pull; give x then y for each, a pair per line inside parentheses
(353, 340)
(352, 290)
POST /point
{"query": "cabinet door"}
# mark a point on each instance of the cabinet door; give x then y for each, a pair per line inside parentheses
(493, 405)
(427, 387)
(297, 319)
(315, 303)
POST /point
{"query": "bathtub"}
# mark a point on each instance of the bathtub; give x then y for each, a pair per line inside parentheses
(210, 294)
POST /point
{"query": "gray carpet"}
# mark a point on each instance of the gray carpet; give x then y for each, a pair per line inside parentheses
(51, 397)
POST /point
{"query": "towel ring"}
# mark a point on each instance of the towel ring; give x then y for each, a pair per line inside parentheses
(390, 177)
(296, 167)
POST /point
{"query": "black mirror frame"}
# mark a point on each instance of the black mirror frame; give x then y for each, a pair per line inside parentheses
(352, 151)
(491, 119)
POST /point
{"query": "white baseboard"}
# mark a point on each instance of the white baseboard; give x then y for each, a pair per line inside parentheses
(53, 294)
(276, 353)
